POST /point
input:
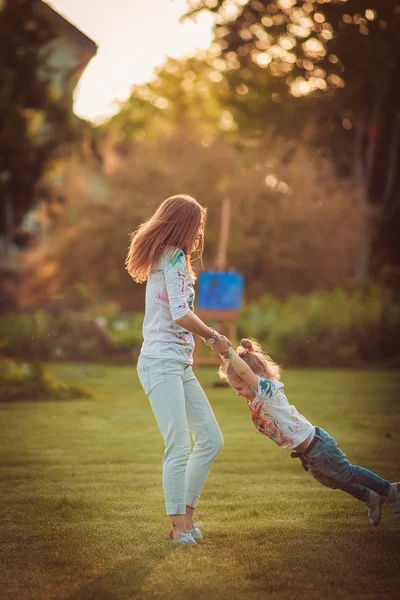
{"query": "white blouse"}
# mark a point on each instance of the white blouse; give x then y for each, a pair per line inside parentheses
(169, 296)
(275, 417)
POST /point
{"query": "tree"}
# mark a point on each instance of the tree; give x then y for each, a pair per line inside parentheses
(22, 94)
(187, 89)
(34, 120)
(328, 70)
(286, 203)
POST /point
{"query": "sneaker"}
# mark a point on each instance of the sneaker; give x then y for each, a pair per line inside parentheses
(195, 531)
(184, 538)
(374, 507)
(394, 498)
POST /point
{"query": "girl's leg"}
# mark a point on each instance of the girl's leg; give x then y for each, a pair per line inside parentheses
(372, 500)
(350, 478)
(354, 489)
(328, 460)
(365, 478)
(207, 437)
(329, 465)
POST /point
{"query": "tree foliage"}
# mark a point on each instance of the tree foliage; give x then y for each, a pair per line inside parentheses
(327, 70)
(183, 90)
(324, 72)
(295, 225)
(294, 48)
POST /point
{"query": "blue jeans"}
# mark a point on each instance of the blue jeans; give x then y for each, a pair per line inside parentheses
(329, 465)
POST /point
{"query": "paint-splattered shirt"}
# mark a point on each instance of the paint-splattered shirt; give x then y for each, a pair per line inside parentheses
(169, 296)
(275, 417)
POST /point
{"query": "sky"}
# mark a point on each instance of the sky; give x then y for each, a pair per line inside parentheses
(133, 36)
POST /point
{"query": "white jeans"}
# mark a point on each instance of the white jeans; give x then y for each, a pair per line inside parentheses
(180, 406)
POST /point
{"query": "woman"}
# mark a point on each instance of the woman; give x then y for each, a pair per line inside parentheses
(160, 253)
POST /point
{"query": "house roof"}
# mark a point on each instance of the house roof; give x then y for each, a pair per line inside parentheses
(64, 26)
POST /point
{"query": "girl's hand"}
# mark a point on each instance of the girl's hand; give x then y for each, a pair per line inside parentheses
(224, 359)
(242, 369)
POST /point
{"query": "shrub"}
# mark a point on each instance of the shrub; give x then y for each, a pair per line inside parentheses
(332, 329)
(27, 336)
(75, 298)
(71, 337)
(287, 204)
(22, 381)
(126, 328)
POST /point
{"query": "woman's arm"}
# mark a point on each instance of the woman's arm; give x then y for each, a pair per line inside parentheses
(192, 323)
(174, 266)
(242, 369)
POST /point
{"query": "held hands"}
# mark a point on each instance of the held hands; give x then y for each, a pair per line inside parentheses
(221, 345)
(226, 359)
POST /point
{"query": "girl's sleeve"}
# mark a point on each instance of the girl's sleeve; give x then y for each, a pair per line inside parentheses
(267, 388)
(173, 265)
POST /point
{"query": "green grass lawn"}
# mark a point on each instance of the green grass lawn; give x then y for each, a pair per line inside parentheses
(82, 510)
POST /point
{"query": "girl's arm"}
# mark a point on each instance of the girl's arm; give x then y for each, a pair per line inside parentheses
(242, 369)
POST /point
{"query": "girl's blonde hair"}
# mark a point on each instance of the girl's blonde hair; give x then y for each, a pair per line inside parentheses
(175, 224)
(259, 362)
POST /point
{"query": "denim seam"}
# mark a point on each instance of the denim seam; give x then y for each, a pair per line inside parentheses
(204, 462)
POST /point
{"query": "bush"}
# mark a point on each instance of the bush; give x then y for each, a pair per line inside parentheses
(71, 337)
(22, 381)
(75, 298)
(27, 336)
(341, 328)
(126, 328)
(287, 201)
(336, 329)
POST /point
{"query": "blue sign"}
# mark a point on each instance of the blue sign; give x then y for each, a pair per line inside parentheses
(220, 290)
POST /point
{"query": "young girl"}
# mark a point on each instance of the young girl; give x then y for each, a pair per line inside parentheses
(160, 253)
(255, 376)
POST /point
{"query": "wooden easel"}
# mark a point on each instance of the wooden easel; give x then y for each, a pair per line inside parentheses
(224, 321)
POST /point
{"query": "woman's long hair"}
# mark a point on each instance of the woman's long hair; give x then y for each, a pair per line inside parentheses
(175, 224)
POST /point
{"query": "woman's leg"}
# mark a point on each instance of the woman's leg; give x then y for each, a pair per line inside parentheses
(168, 404)
(207, 437)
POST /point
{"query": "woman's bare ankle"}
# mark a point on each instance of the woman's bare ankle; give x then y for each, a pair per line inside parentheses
(189, 517)
(178, 523)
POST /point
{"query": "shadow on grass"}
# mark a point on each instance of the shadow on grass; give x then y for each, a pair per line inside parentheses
(124, 581)
(329, 563)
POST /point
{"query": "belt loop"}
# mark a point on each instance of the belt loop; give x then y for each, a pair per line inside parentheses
(300, 455)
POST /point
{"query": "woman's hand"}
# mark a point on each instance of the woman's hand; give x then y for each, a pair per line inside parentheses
(222, 345)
